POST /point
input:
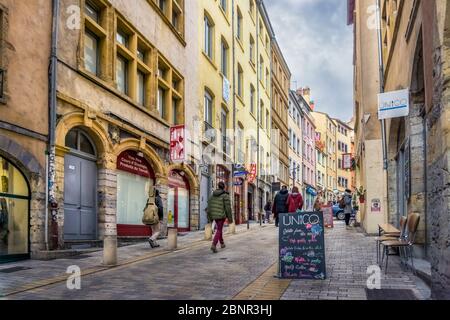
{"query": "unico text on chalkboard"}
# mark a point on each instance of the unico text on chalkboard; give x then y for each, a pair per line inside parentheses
(302, 246)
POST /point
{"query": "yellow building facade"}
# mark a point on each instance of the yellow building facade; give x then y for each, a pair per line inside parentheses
(344, 147)
(235, 99)
(326, 128)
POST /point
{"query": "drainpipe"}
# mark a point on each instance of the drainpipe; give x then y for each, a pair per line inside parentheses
(258, 115)
(381, 71)
(52, 125)
(233, 226)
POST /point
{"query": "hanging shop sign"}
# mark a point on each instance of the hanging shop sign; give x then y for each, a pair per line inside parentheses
(177, 144)
(253, 173)
(393, 104)
(130, 161)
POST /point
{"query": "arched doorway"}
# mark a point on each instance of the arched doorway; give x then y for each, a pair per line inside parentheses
(134, 177)
(14, 213)
(178, 201)
(80, 187)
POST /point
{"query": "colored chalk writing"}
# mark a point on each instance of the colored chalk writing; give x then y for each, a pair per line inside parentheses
(302, 246)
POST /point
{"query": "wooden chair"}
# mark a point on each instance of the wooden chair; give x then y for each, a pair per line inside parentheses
(391, 236)
(406, 244)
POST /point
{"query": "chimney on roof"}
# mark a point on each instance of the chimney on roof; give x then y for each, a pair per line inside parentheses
(312, 105)
(305, 93)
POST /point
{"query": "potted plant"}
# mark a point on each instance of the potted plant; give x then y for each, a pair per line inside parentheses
(361, 192)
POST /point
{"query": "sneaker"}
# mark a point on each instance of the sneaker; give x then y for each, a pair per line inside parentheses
(223, 246)
(214, 249)
(152, 243)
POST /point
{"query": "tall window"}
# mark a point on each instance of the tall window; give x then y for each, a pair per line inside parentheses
(171, 82)
(252, 99)
(91, 55)
(239, 25)
(252, 8)
(208, 108)
(240, 84)
(223, 128)
(162, 105)
(267, 120)
(122, 74)
(140, 88)
(252, 49)
(223, 5)
(261, 114)
(94, 36)
(261, 68)
(208, 38)
(224, 58)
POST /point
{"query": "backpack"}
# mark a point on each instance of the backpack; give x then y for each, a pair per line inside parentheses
(348, 200)
(150, 217)
(342, 203)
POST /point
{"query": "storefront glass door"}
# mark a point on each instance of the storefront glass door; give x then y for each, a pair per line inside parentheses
(14, 212)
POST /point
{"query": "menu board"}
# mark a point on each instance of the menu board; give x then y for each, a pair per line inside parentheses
(328, 216)
(302, 246)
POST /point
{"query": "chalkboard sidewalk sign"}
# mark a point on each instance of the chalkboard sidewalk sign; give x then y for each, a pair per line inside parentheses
(328, 216)
(302, 246)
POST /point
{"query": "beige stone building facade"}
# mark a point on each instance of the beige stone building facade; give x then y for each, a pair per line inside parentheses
(415, 57)
(125, 77)
(23, 125)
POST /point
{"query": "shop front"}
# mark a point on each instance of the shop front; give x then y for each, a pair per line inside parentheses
(134, 178)
(238, 200)
(309, 195)
(178, 201)
(14, 213)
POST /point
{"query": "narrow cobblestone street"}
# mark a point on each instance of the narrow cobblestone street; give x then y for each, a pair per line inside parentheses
(244, 270)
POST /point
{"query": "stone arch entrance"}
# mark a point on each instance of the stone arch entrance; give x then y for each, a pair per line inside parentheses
(183, 193)
(22, 183)
(82, 145)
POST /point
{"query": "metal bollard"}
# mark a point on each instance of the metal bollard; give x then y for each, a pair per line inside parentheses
(172, 238)
(110, 251)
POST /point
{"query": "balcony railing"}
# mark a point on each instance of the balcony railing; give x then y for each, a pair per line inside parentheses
(209, 132)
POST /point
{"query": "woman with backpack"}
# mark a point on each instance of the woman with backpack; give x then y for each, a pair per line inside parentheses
(294, 201)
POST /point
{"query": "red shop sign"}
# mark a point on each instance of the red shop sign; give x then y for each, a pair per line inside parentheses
(252, 175)
(177, 145)
(131, 162)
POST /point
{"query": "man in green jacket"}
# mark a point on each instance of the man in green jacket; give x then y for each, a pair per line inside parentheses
(219, 209)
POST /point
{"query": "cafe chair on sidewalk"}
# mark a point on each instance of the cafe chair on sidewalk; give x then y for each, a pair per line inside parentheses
(405, 245)
(391, 237)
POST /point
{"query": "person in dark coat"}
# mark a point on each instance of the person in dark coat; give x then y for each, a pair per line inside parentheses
(279, 204)
(295, 201)
(156, 229)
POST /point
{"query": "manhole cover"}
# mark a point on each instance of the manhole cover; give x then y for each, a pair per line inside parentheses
(14, 269)
(391, 294)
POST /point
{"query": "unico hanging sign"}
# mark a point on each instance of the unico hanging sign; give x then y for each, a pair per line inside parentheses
(393, 104)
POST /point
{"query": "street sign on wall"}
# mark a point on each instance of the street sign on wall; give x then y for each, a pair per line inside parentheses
(177, 144)
(394, 104)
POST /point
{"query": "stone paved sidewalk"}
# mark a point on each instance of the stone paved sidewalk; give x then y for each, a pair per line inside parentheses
(40, 273)
(349, 253)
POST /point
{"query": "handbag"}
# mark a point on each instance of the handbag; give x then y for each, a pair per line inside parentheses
(150, 217)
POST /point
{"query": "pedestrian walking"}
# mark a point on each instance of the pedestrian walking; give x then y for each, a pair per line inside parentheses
(318, 204)
(219, 209)
(156, 228)
(279, 204)
(346, 202)
(268, 210)
(295, 201)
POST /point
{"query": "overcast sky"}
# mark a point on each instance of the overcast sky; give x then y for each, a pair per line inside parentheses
(318, 47)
